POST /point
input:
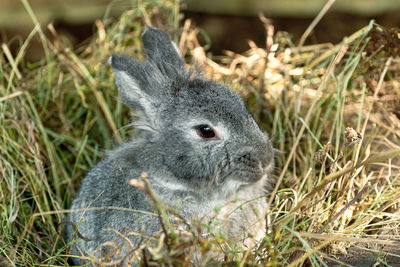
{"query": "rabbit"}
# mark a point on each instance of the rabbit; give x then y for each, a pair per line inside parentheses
(195, 140)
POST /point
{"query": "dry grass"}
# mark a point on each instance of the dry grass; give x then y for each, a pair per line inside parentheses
(332, 110)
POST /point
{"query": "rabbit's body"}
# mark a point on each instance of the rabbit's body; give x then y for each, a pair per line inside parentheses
(195, 140)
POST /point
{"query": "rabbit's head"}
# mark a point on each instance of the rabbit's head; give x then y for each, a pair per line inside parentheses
(203, 131)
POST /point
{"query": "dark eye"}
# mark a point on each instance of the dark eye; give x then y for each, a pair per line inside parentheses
(205, 131)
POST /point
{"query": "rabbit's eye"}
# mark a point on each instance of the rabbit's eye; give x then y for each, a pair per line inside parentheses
(205, 131)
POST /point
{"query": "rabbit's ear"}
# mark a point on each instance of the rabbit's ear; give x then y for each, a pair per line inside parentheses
(138, 86)
(144, 86)
(161, 50)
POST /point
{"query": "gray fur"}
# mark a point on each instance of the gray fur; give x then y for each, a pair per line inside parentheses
(169, 102)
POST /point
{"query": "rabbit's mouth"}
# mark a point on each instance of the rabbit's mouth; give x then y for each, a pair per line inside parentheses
(244, 174)
(249, 176)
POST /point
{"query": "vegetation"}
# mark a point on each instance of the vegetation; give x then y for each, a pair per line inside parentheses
(332, 111)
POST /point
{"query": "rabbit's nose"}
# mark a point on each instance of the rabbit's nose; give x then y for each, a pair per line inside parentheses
(249, 160)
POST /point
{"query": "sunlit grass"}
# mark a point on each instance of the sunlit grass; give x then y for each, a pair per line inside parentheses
(57, 117)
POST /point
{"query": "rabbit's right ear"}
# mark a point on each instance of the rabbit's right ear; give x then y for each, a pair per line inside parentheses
(161, 50)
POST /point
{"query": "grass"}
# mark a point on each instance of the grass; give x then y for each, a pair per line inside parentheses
(332, 111)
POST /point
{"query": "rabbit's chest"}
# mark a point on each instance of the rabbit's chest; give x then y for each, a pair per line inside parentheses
(238, 216)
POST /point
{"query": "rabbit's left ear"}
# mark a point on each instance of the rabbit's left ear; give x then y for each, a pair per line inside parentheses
(161, 50)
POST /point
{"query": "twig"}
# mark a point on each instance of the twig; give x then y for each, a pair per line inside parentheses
(377, 89)
(316, 20)
(366, 240)
(269, 41)
(4, 98)
(328, 179)
(356, 198)
(330, 69)
(11, 60)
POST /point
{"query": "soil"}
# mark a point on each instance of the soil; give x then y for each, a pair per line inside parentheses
(359, 257)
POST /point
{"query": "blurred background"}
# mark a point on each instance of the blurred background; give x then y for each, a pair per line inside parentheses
(228, 23)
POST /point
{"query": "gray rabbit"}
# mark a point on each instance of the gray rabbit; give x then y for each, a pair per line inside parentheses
(195, 140)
